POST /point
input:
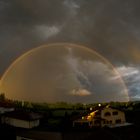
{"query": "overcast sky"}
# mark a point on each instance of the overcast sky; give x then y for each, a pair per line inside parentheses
(111, 27)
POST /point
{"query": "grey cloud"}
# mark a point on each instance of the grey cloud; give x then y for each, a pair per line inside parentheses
(106, 27)
(110, 27)
(35, 12)
(95, 78)
(131, 76)
(80, 92)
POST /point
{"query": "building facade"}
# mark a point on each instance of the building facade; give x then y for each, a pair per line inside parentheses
(112, 117)
(21, 123)
(102, 117)
(21, 119)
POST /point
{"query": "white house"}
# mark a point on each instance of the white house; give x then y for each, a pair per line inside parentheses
(104, 116)
(21, 119)
(6, 107)
(112, 117)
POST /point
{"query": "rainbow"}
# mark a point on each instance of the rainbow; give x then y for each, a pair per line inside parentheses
(69, 45)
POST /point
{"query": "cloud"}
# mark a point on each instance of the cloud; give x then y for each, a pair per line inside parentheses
(72, 6)
(126, 71)
(131, 77)
(136, 97)
(45, 31)
(94, 76)
(80, 92)
(3, 5)
(110, 27)
(104, 26)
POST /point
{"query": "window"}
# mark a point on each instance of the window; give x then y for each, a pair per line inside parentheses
(97, 122)
(107, 114)
(110, 122)
(106, 122)
(115, 113)
(118, 121)
(85, 124)
(98, 113)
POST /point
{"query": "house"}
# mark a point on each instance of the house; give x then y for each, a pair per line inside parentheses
(103, 116)
(6, 107)
(21, 119)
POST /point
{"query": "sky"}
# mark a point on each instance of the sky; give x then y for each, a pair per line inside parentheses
(110, 27)
(63, 72)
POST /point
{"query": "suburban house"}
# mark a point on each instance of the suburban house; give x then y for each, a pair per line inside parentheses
(104, 116)
(21, 119)
(6, 107)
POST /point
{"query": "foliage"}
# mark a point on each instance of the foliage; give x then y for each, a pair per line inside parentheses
(2, 97)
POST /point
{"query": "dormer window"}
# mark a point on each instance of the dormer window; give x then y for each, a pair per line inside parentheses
(107, 114)
(118, 121)
(115, 113)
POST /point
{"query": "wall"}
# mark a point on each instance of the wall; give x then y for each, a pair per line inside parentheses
(20, 123)
(112, 117)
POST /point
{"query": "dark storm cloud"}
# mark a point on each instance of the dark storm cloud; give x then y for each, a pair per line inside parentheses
(24, 23)
(111, 27)
(34, 12)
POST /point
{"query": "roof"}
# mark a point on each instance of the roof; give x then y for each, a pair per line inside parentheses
(23, 115)
(4, 110)
(100, 108)
(6, 104)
